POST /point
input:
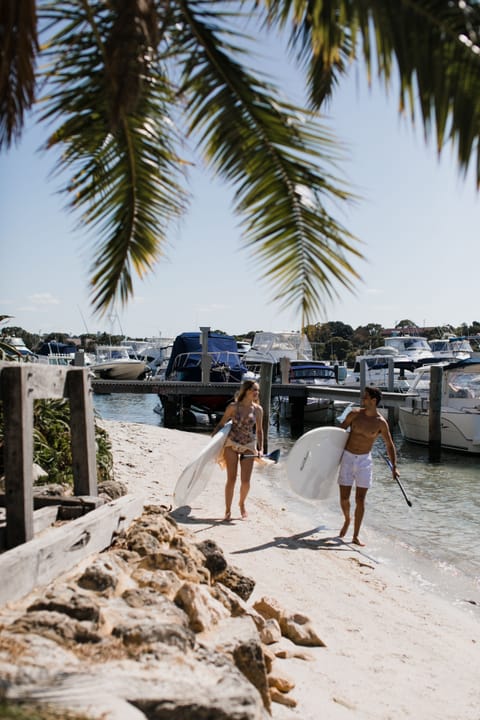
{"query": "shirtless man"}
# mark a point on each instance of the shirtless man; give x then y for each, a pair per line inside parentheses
(365, 424)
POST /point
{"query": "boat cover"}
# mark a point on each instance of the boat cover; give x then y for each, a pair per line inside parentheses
(187, 355)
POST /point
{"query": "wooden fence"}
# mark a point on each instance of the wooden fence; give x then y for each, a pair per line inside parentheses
(34, 557)
(22, 384)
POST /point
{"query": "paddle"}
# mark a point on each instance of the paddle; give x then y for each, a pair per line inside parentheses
(273, 456)
(389, 463)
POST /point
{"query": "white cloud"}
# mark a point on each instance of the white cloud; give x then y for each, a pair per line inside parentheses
(44, 299)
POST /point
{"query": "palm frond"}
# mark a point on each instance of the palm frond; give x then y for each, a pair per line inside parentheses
(275, 154)
(123, 174)
(18, 49)
(433, 46)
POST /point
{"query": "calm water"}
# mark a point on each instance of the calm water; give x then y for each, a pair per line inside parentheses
(436, 541)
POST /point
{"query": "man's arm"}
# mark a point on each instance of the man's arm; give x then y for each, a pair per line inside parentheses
(390, 447)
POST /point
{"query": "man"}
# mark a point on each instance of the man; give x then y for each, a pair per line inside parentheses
(365, 424)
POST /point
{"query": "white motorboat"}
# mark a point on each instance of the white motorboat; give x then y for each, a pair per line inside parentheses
(460, 407)
(113, 362)
(451, 347)
(413, 347)
(318, 410)
(377, 370)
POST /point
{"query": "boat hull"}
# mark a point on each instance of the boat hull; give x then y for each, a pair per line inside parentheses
(460, 431)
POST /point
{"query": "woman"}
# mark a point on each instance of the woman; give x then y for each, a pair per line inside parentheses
(244, 442)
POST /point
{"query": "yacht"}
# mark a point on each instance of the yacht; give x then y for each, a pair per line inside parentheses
(460, 407)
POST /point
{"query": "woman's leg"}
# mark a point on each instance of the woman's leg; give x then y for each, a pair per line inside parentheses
(246, 467)
(231, 461)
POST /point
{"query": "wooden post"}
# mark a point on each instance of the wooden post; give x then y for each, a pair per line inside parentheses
(285, 370)
(18, 453)
(170, 407)
(297, 416)
(392, 412)
(82, 427)
(266, 371)
(434, 416)
(363, 376)
(206, 360)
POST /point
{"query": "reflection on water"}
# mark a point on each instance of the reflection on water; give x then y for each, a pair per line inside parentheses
(440, 531)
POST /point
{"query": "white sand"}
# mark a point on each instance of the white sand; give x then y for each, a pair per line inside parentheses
(393, 650)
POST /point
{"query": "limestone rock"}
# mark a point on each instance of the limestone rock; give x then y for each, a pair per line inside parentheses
(174, 560)
(214, 557)
(237, 581)
(281, 698)
(112, 489)
(271, 632)
(202, 609)
(165, 582)
(281, 682)
(298, 628)
(74, 604)
(269, 608)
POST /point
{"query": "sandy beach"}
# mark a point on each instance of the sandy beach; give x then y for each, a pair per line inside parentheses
(393, 650)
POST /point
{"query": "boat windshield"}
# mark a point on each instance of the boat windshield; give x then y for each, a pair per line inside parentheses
(408, 344)
(463, 384)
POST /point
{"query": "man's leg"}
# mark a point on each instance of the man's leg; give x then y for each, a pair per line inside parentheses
(359, 513)
(345, 491)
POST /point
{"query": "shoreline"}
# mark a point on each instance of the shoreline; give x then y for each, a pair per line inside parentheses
(393, 649)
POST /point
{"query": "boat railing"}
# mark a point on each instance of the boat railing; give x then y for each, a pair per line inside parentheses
(221, 363)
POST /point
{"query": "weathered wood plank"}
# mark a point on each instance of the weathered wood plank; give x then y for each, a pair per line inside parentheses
(82, 432)
(42, 519)
(18, 453)
(42, 559)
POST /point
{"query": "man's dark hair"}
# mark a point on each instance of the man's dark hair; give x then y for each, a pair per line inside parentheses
(374, 393)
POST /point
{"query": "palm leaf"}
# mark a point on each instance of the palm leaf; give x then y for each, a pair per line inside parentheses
(432, 45)
(18, 33)
(275, 154)
(118, 145)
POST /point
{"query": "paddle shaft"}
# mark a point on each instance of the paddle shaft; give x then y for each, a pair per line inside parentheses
(274, 455)
(389, 463)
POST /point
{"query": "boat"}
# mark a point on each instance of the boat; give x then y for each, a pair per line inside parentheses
(415, 348)
(317, 411)
(275, 347)
(14, 348)
(113, 362)
(460, 407)
(52, 352)
(377, 365)
(185, 365)
(451, 347)
(154, 352)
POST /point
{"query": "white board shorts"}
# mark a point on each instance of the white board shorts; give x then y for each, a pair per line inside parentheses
(356, 469)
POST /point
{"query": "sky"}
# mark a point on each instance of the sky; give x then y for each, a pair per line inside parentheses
(417, 218)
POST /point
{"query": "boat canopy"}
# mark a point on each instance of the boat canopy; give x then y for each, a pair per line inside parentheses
(187, 354)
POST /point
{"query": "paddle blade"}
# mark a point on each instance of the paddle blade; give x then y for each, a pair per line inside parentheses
(274, 456)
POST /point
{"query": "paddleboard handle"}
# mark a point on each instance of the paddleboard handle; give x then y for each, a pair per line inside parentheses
(389, 463)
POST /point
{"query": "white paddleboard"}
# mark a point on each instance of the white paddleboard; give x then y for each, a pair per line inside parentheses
(195, 477)
(314, 461)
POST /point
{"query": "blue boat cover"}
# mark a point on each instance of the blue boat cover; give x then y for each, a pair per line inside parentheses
(187, 356)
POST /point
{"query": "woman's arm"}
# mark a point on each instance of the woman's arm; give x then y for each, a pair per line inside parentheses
(227, 415)
(259, 427)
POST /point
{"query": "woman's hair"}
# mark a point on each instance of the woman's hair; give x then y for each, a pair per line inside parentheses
(246, 386)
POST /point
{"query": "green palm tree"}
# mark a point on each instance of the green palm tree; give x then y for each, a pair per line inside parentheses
(123, 85)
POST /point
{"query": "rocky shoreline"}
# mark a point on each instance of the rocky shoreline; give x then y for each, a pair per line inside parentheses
(156, 627)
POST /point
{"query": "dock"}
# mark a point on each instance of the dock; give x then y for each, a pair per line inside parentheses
(172, 393)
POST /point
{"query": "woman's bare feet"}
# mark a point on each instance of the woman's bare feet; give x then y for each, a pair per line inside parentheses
(357, 541)
(243, 512)
(344, 529)
(228, 516)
